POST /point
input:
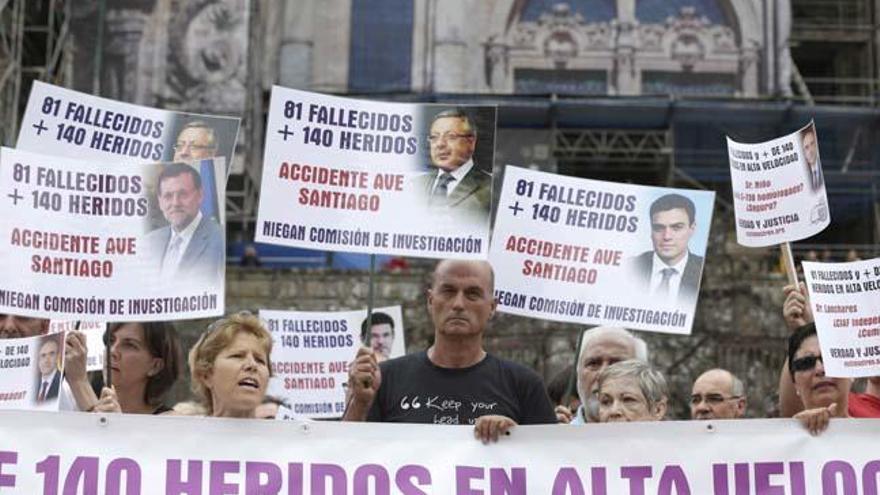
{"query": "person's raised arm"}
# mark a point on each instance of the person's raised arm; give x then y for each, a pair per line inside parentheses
(364, 378)
(796, 312)
(75, 354)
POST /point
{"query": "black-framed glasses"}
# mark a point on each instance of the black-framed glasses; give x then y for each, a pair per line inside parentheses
(712, 399)
(448, 136)
(805, 363)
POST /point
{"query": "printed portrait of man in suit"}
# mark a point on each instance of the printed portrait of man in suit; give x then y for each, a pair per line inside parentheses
(670, 272)
(48, 375)
(192, 245)
(456, 184)
(810, 149)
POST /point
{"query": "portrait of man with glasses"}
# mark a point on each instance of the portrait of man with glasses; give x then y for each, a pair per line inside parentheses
(456, 183)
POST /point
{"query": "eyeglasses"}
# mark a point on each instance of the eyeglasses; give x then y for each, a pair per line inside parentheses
(448, 137)
(805, 363)
(192, 146)
(712, 399)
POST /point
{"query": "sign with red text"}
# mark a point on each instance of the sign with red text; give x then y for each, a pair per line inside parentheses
(54, 453)
(341, 174)
(31, 372)
(845, 299)
(778, 189)
(599, 253)
(94, 332)
(312, 350)
(95, 241)
(60, 121)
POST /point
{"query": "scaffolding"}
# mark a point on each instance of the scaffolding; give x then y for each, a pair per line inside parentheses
(34, 45)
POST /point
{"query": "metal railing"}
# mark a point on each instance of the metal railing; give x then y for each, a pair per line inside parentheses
(831, 14)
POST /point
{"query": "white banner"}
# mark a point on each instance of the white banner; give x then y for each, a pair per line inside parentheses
(845, 298)
(52, 453)
(85, 240)
(778, 189)
(31, 372)
(94, 332)
(59, 121)
(341, 174)
(594, 252)
(312, 351)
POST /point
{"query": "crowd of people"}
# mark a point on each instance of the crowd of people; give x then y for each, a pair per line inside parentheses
(230, 368)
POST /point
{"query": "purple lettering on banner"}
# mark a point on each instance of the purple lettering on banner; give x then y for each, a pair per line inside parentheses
(673, 477)
(463, 477)
(406, 475)
(636, 476)
(871, 478)
(83, 469)
(599, 484)
(174, 485)
(740, 476)
(742, 473)
(114, 477)
(48, 467)
(217, 475)
(829, 478)
(295, 478)
(262, 478)
(7, 458)
(567, 482)
(798, 480)
(321, 473)
(501, 484)
(763, 472)
(381, 483)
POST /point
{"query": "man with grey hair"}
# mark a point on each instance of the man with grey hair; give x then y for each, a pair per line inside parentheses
(600, 347)
(455, 181)
(718, 394)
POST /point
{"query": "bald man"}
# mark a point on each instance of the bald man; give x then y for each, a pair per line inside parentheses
(718, 394)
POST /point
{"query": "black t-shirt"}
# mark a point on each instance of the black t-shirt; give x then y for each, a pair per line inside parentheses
(415, 390)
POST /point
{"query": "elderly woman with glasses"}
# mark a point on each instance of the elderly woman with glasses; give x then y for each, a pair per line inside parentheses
(631, 391)
(823, 397)
(230, 366)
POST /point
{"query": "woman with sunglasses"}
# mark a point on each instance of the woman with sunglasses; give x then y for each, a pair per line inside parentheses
(144, 361)
(823, 397)
(230, 366)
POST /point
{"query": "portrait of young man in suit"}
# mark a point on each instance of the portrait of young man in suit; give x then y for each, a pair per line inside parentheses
(48, 376)
(670, 272)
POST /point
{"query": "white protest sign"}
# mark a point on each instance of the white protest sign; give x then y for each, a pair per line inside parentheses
(312, 350)
(94, 332)
(778, 189)
(341, 174)
(59, 121)
(52, 453)
(587, 251)
(85, 240)
(845, 299)
(31, 372)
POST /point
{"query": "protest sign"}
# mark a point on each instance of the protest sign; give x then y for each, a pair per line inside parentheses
(341, 174)
(778, 189)
(94, 332)
(85, 240)
(59, 121)
(312, 350)
(57, 453)
(599, 253)
(31, 372)
(845, 299)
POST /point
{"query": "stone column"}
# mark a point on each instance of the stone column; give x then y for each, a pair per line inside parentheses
(296, 47)
(450, 46)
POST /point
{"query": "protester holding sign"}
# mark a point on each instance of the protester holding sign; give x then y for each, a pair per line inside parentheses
(145, 361)
(455, 381)
(631, 391)
(824, 397)
(230, 366)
